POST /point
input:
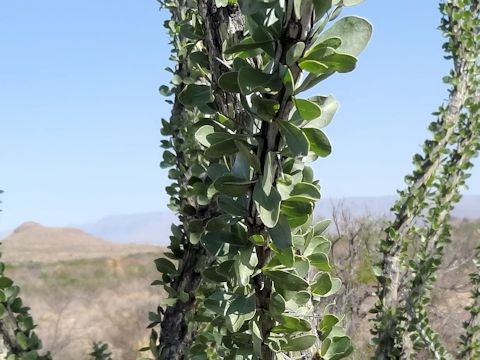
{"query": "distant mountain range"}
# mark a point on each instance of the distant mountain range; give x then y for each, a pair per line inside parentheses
(146, 228)
(154, 228)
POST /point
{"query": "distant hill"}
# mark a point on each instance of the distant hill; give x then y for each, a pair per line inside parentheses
(154, 228)
(34, 242)
(146, 228)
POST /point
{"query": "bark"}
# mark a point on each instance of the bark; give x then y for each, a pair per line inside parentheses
(7, 331)
(294, 31)
(177, 331)
(176, 336)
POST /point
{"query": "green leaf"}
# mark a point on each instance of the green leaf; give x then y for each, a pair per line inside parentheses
(322, 284)
(336, 285)
(288, 81)
(297, 8)
(317, 244)
(229, 82)
(240, 310)
(232, 185)
(269, 170)
(202, 133)
(196, 95)
(199, 58)
(218, 302)
(277, 304)
(221, 149)
(5, 282)
(329, 106)
(284, 257)
(189, 32)
(327, 323)
(244, 265)
(251, 80)
(333, 43)
(231, 206)
(211, 274)
(313, 66)
(291, 324)
(297, 212)
(305, 192)
(281, 234)
(311, 80)
(321, 226)
(248, 153)
(257, 338)
(165, 90)
(352, 2)
(336, 348)
(22, 340)
(320, 261)
(247, 45)
(319, 53)
(226, 237)
(165, 266)
(319, 142)
(286, 280)
(221, 243)
(299, 343)
(266, 108)
(3, 311)
(354, 31)
(308, 110)
(216, 223)
(296, 299)
(267, 203)
(321, 7)
(302, 266)
(241, 166)
(296, 140)
(216, 170)
(340, 62)
(257, 240)
(294, 53)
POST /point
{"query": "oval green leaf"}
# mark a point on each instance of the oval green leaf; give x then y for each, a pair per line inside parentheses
(319, 142)
(296, 140)
(307, 109)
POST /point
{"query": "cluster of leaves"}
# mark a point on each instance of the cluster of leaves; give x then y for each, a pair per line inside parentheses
(16, 324)
(470, 341)
(270, 261)
(100, 351)
(189, 195)
(422, 212)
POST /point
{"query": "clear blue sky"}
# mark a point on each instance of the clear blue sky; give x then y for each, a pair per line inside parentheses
(80, 111)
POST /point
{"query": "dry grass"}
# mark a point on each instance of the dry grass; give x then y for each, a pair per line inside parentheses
(82, 289)
(78, 302)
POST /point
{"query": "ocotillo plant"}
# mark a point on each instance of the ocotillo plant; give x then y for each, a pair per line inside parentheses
(470, 340)
(190, 193)
(258, 135)
(422, 212)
